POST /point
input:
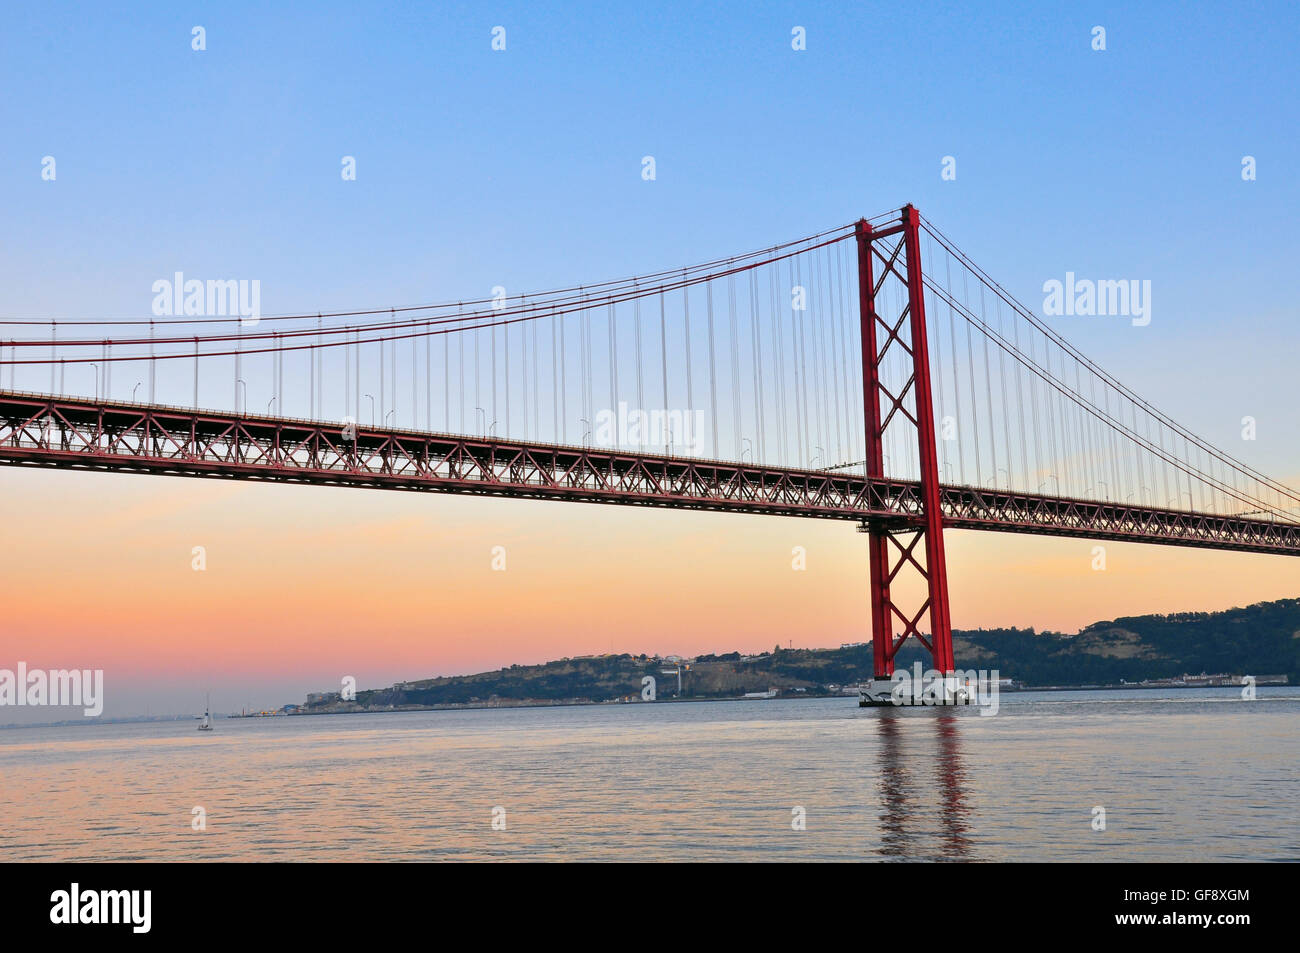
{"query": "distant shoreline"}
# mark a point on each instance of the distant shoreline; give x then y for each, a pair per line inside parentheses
(533, 703)
(164, 719)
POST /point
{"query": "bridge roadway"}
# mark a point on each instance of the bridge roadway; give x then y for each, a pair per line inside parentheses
(82, 434)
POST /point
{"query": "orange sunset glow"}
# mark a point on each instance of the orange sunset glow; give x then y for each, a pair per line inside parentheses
(305, 584)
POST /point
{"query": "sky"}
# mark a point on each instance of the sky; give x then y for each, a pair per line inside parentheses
(478, 167)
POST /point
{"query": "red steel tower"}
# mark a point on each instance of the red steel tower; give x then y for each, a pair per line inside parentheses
(912, 541)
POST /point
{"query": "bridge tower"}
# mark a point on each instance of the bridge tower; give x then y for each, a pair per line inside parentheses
(913, 541)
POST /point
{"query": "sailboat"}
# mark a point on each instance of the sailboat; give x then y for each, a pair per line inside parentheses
(207, 716)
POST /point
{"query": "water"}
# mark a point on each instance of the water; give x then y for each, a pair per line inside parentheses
(1182, 775)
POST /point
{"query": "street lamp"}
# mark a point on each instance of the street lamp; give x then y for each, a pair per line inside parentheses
(372, 407)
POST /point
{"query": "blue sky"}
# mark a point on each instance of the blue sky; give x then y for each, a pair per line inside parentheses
(522, 167)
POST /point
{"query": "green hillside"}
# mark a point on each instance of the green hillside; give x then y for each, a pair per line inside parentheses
(1259, 639)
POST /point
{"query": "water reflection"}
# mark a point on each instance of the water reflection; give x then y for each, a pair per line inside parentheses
(925, 813)
(594, 783)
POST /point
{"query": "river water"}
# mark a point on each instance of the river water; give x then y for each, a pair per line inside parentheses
(1180, 775)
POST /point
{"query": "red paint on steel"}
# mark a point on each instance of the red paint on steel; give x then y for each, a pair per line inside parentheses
(924, 528)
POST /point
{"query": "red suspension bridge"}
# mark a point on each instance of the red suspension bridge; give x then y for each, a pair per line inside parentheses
(871, 373)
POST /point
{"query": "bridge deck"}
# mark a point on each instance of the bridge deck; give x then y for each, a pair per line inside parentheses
(72, 433)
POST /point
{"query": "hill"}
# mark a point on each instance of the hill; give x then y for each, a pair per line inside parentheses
(1258, 639)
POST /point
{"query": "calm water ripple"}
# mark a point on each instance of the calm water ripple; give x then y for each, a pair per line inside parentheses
(1182, 775)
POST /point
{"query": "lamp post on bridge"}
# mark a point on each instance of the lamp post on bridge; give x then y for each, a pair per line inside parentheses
(1138, 492)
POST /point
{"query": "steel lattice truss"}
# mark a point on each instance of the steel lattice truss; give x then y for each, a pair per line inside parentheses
(80, 434)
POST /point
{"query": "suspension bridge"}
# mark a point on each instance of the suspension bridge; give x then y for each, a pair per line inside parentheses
(872, 372)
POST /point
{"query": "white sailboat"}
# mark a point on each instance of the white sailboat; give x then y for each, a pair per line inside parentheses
(207, 716)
